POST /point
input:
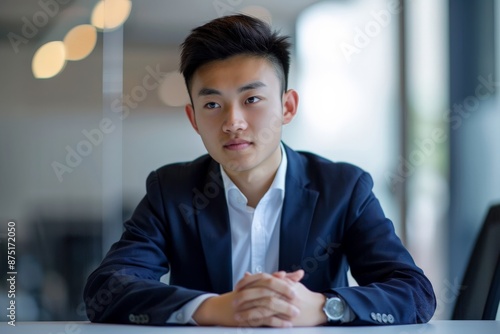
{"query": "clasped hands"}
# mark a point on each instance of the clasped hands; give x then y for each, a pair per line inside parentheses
(273, 300)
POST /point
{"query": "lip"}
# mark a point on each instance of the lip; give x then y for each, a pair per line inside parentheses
(237, 144)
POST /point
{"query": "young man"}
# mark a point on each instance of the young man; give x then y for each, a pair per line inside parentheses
(254, 233)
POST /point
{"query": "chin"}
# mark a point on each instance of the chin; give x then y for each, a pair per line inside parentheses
(237, 165)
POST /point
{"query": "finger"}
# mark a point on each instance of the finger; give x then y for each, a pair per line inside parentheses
(267, 322)
(256, 314)
(295, 276)
(255, 293)
(274, 304)
(278, 323)
(280, 274)
(265, 287)
(258, 280)
(259, 318)
(249, 279)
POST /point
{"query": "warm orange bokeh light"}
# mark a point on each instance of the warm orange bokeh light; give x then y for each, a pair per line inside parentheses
(80, 41)
(49, 60)
(110, 14)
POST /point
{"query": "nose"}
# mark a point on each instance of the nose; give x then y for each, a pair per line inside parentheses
(235, 120)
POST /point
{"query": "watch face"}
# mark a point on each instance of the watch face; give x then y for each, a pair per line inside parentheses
(334, 308)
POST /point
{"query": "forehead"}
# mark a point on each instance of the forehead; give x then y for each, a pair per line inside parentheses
(235, 71)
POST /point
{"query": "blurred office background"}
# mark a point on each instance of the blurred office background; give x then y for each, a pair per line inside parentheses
(407, 90)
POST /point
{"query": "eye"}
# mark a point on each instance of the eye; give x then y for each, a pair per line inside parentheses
(212, 105)
(252, 99)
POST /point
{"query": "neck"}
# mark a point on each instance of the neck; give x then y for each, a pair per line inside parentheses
(255, 183)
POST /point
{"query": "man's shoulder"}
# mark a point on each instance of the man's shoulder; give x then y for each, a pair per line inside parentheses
(202, 161)
(187, 172)
(322, 167)
(328, 177)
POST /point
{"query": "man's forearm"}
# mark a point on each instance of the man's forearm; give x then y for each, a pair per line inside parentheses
(184, 315)
(216, 311)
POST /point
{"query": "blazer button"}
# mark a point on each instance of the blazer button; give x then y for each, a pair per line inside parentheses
(384, 318)
(374, 316)
(131, 318)
(379, 317)
(390, 318)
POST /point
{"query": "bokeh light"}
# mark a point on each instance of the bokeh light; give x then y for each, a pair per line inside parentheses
(80, 41)
(110, 14)
(173, 91)
(49, 60)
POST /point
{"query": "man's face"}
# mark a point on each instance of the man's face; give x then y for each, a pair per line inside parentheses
(238, 110)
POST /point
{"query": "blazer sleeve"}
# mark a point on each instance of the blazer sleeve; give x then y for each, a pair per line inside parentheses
(392, 289)
(126, 287)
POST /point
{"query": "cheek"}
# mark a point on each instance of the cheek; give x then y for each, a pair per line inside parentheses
(208, 131)
(207, 123)
(268, 132)
(271, 123)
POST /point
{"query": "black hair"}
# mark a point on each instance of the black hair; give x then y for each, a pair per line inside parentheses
(234, 35)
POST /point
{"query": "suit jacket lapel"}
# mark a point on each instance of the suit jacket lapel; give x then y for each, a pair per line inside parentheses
(297, 213)
(215, 232)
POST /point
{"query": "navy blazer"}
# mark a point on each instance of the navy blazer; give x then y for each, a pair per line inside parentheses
(330, 221)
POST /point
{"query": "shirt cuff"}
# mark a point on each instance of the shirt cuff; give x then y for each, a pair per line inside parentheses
(348, 313)
(184, 315)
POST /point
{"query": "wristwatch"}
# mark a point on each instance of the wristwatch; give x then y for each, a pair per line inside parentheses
(334, 309)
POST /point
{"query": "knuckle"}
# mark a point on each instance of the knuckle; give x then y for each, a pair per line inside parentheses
(271, 302)
(256, 318)
(276, 322)
(289, 291)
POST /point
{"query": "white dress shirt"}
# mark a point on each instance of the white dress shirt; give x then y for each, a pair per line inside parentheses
(254, 235)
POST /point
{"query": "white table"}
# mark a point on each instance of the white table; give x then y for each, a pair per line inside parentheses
(434, 327)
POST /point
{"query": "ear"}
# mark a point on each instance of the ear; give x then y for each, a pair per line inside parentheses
(189, 109)
(290, 105)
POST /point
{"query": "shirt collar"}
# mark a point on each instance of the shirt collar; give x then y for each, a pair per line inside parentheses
(278, 182)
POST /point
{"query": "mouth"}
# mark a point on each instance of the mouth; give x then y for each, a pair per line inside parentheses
(237, 144)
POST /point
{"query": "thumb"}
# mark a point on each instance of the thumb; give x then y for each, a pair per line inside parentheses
(280, 274)
(295, 276)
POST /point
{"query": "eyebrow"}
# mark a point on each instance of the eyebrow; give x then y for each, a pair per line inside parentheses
(250, 86)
